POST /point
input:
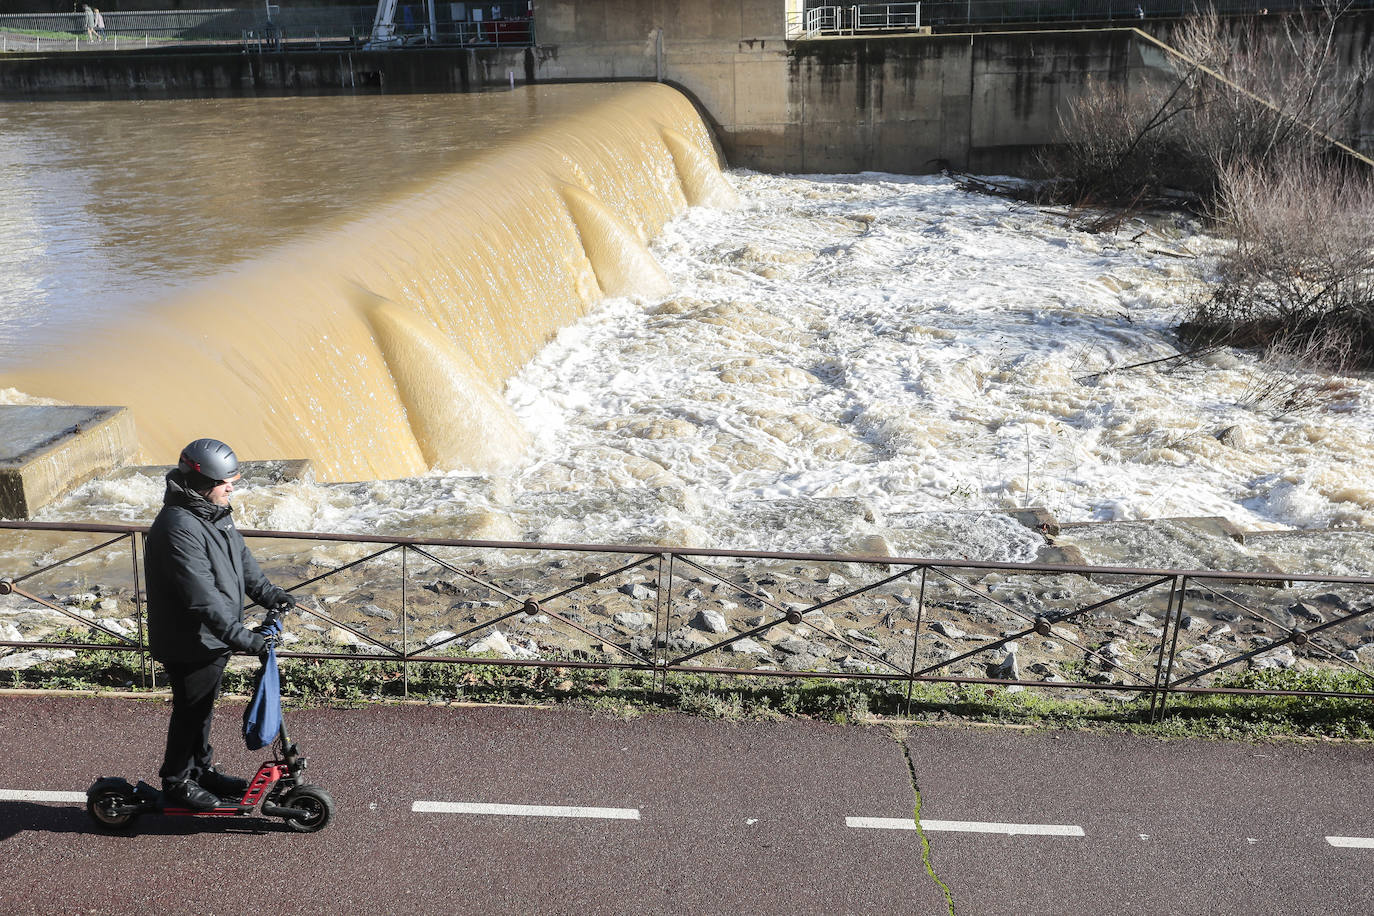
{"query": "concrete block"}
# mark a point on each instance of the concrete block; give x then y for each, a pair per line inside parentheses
(47, 450)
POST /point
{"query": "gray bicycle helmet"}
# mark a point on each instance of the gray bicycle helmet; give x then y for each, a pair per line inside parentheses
(209, 460)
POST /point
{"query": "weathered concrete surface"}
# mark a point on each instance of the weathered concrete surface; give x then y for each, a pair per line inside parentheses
(161, 74)
(985, 102)
(49, 449)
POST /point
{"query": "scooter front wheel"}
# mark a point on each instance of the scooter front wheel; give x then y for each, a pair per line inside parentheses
(106, 808)
(315, 801)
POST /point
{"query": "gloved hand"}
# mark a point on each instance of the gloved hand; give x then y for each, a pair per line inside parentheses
(269, 639)
(285, 604)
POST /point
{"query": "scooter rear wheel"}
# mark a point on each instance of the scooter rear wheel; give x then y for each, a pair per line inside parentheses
(102, 807)
(314, 800)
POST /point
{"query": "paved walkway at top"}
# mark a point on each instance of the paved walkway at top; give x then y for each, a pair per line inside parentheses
(499, 810)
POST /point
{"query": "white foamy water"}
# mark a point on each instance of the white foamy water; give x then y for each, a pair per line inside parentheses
(850, 356)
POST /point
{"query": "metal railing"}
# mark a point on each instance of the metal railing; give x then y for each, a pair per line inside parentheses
(670, 611)
(858, 18)
(832, 20)
(292, 27)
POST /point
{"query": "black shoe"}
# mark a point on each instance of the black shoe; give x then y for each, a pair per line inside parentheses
(187, 794)
(224, 786)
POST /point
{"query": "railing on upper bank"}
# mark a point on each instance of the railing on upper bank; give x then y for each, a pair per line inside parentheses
(315, 27)
(286, 29)
(832, 20)
(1152, 633)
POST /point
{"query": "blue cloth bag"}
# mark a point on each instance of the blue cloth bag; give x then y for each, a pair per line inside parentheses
(262, 718)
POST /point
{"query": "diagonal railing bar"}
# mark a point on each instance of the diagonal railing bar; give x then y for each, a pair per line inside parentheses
(982, 647)
(1299, 636)
(735, 585)
(836, 636)
(1274, 623)
(981, 594)
(75, 616)
(430, 647)
(466, 575)
(766, 625)
(344, 568)
(301, 608)
(1060, 618)
(859, 591)
(596, 636)
(598, 577)
(75, 556)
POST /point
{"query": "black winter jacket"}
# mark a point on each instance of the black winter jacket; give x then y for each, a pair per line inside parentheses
(199, 571)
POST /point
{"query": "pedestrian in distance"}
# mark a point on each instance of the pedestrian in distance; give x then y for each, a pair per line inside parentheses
(99, 25)
(88, 19)
(198, 572)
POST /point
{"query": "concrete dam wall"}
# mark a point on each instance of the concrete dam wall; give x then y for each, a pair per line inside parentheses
(982, 102)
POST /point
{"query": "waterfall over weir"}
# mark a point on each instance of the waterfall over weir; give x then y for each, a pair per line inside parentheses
(378, 345)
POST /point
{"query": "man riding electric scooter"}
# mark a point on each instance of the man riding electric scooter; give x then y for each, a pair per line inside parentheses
(198, 573)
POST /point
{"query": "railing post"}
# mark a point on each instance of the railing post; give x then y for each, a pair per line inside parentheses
(405, 629)
(145, 668)
(915, 639)
(1161, 678)
(1173, 646)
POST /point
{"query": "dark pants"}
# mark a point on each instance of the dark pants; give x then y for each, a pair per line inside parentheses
(194, 689)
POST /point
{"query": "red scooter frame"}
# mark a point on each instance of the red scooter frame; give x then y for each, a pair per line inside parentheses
(278, 789)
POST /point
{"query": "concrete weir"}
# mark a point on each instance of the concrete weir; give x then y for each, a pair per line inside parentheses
(47, 450)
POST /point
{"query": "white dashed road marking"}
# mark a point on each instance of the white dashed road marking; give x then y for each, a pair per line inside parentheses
(906, 823)
(32, 795)
(1351, 842)
(435, 807)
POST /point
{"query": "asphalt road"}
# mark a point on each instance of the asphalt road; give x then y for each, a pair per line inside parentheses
(692, 816)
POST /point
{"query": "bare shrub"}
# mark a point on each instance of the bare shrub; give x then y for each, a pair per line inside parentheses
(1299, 278)
(1238, 92)
(1290, 377)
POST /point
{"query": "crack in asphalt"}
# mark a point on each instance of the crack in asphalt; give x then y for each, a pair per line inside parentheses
(916, 814)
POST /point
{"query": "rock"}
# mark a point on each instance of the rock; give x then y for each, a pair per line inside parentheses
(947, 629)
(711, 622)
(746, 646)
(856, 636)
(1006, 669)
(802, 662)
(1237, 437)
(494, 643)
(1227, 616)
(818, 620)
(119, 625)
(1220, 629)
(835, 580)
(9, 632)
(857, 663)
(1205, 653)
(1306, 612)
(1282, 657)
(1142, 620)
(1194, 624)
(686, 639)
(20, 660)
(694, 594)
(638, 591)
(109, 605)
(381, 613)
(439, 636)
(633, 620)
(1335, 601)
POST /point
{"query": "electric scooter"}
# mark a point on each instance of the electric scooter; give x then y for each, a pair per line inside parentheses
(278, 789)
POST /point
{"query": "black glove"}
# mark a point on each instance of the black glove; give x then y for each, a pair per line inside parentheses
(285, 604)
